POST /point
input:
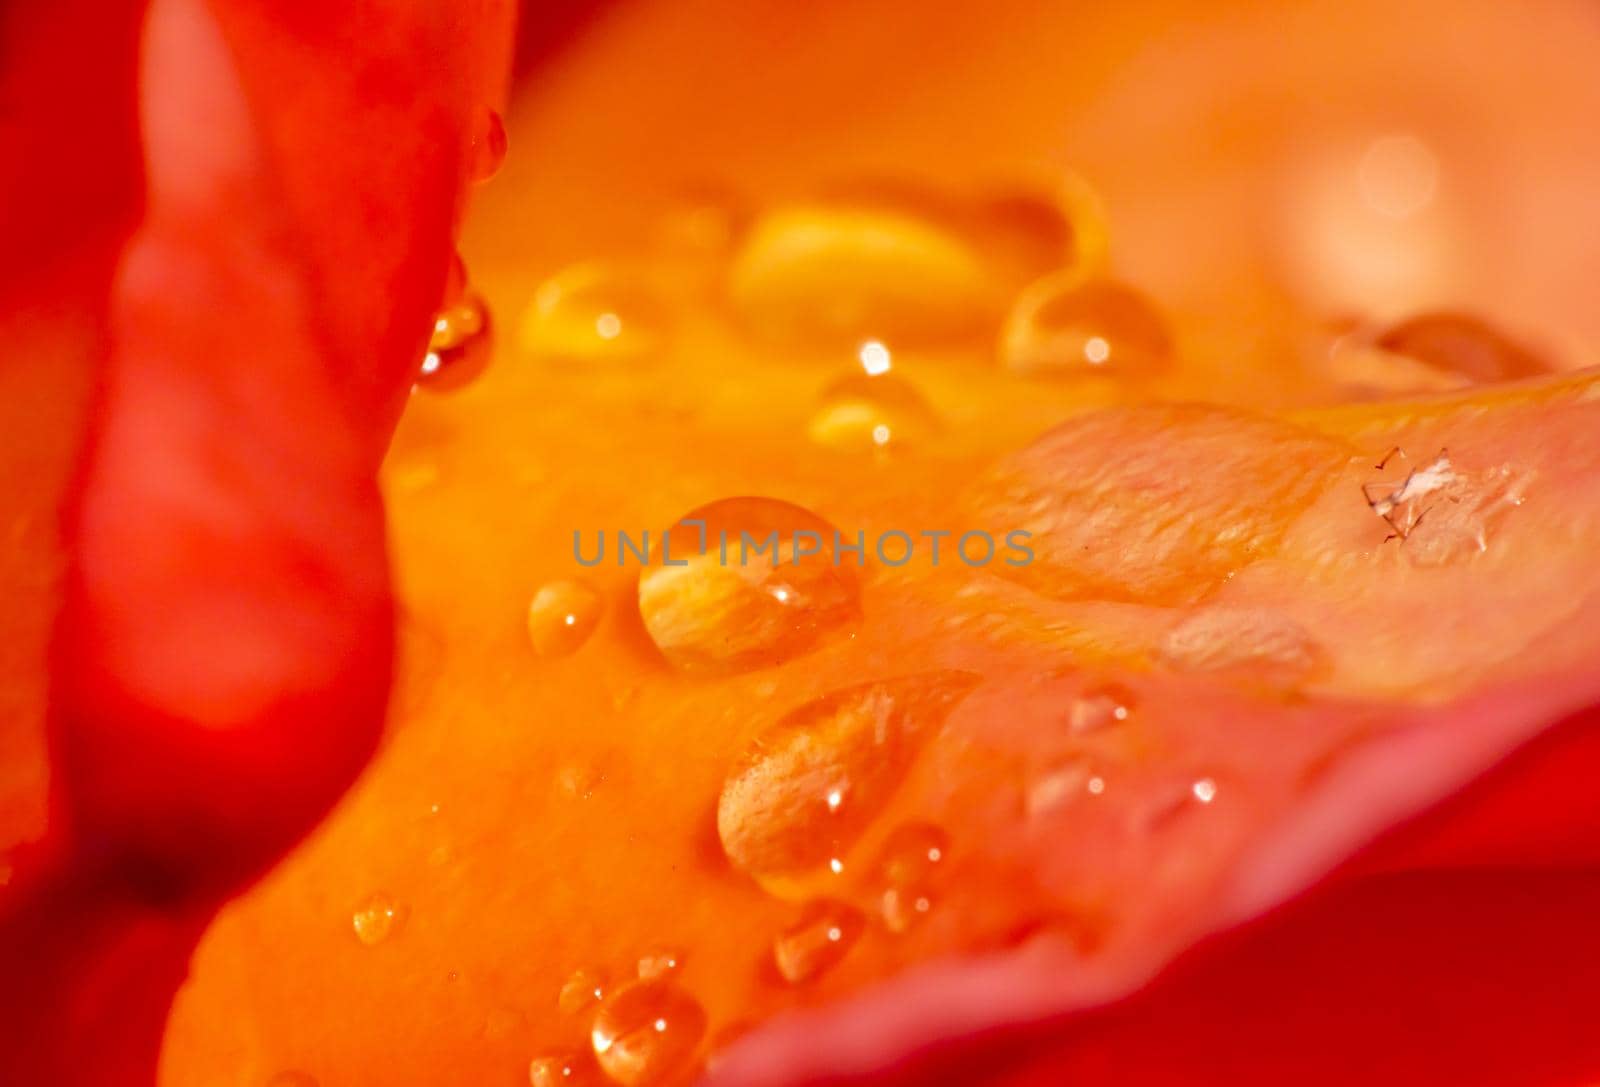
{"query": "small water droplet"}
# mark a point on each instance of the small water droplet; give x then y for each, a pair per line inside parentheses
(659, 962)
(1062, 326)
(561, 617)
(754, 585)
(1204, 790)
(907, 869)
(598, 313)
(377, 918)
(1055, 787)
(647, 1031)
(1099, 708)
(569, 1069)
(583, 989)
(777, 818)
(867, 411)
(1462, 344)
(489, 145)
(460, 347)
(817, 941)
(1176, 802)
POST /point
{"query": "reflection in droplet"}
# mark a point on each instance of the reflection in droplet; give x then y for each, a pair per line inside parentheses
(584, 988)
(488, 145)
(659, 962)
(777, 816)
(817, 941)
(460, 347)
(1100, 707)
(1063, 326)
(647, 1031)
(377, 918)
(908, 867)
(570, 1069)
(875, 358)
(1204, 790)
(598, 313)
(1458, 343)
(561, 617)
(745, 583)
(858, 412)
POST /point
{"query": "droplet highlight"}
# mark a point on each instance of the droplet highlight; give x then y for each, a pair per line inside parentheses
(378, 918)
(745, 583)
(567, 1069)
(583, 989)
(1062, 326)
(562, 616)
(460, 347)
(660, 962)
(908, 869)
(872, 411)
(647, 1031)
(598, 313)
(822, 936)
(1100, 708)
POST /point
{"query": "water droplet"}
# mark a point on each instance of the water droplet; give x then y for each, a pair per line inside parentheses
(489, 145)
(1099, 708)
(814, 944)
(1057, 786)
(1459, 521)
(571, 1069)
(1031, 229)
(598, 313)
(1253, 643)
(1462, 344)
(460, 347)
(755, 585)
(583, 989)
(561, 617)
(861, 411)
(808, 785)
(837, 272)
(377, 918)
(1062, 326)
(1177, 802)
(646, 1031)
(659, 962)
(908, 867)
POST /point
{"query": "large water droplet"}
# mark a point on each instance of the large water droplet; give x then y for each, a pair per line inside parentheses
(745, 583)
(561, 617)
(868, 411)
(378, 917)
(808, 785)
(1062, 326)
(598, 312)
(1462, 344)
(817, 941)
(908, 868)
(647, 1031)
(573, 1069)
(460, 347)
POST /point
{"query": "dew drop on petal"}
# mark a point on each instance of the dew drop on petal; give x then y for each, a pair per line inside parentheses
(646, 1031)
(907, 870)
(817, 941)
(569, 1069)
(659, 962)
(808, 785)
(377, 918)
(460, 346)
(753, 586)
(867, 411)
(598, 312)
(1461, 344)
(1062, 326)
(489, 145)
(1100, 708)
(561, 617)
(583, 989)
(1057, 785)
